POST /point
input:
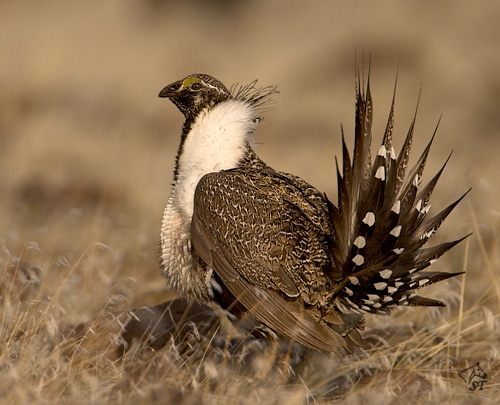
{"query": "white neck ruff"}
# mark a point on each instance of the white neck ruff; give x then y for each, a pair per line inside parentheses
(217, 141)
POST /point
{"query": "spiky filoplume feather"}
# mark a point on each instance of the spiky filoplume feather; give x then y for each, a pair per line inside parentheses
(240, 233)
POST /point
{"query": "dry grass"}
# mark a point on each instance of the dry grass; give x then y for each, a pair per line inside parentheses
(85, 172)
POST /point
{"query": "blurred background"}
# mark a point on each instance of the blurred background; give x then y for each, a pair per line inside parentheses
(87, 149)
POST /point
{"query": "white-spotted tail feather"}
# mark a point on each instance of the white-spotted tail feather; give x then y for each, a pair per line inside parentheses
(382, 219)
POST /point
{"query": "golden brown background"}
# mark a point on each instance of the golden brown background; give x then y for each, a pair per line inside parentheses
(87, 149)
(79, 81)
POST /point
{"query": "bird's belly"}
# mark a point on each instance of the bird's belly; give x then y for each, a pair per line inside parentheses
(180, 266)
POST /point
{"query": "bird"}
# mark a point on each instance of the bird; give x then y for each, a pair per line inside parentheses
(266, 244)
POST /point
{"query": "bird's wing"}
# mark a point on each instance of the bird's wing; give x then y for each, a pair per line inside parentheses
(268, 248)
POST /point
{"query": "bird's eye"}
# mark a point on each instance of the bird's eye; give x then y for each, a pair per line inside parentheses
(196, 86)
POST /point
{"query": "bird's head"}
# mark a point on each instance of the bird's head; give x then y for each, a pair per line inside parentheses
(195, 93)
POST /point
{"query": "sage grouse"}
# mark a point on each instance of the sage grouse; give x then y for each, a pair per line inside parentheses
(237, 232)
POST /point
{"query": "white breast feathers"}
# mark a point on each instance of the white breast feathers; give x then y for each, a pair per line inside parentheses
(217, 141)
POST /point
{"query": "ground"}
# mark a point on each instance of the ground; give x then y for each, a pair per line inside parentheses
(87, 152)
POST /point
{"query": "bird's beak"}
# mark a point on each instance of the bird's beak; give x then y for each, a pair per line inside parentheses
(170, 90)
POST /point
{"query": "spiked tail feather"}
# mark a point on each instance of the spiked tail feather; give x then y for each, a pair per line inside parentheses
(381, 220)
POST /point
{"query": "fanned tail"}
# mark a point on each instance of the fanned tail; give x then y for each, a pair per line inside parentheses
(382, 220)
